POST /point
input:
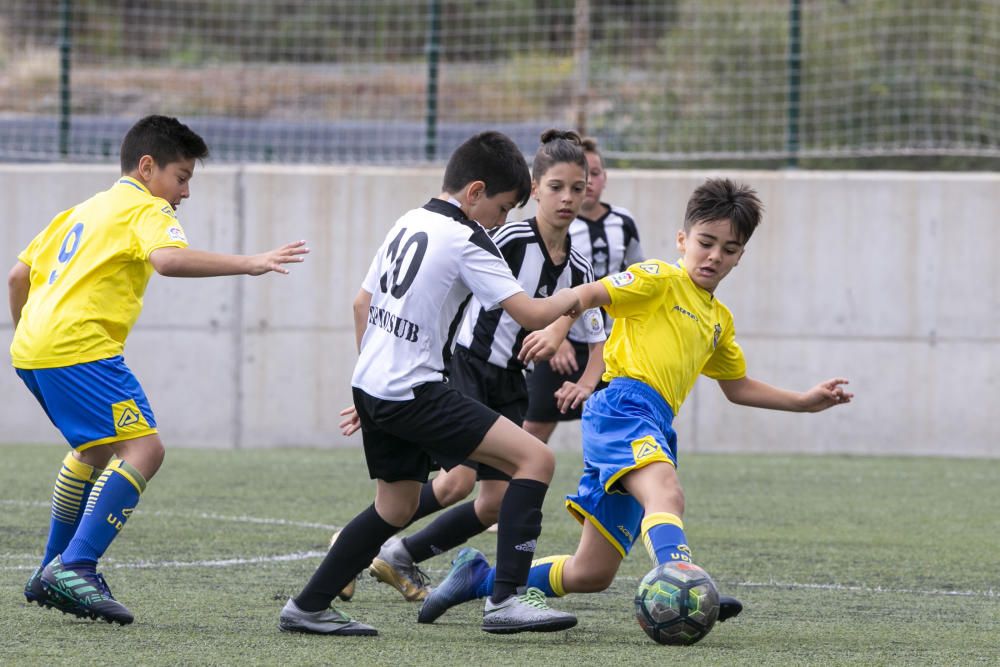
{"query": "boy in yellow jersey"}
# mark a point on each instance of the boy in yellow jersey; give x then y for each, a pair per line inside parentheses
(669, 328)
(75, 293)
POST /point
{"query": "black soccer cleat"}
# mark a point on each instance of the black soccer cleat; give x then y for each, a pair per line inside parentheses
(729, 607)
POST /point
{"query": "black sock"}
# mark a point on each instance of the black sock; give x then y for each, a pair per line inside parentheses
(428, 502)
(446, 532)
(353, 551)
(520, 525)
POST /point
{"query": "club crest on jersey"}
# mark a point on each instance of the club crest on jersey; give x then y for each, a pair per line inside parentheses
(716, 335)
(176, 234)
(595, 323)
(650, 267)
(622, 279)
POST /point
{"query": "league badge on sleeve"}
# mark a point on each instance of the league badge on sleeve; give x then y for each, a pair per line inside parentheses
(176, 234)
(595, 323)
(622, 279)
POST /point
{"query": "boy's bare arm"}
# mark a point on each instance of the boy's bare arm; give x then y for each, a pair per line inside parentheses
(541, 345)
(193, 263)
(592, 295)
(533, 314)
(18, 284)
(757, 394)
(362, 302)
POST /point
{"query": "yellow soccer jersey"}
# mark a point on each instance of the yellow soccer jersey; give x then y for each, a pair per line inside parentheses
(667, 331)
(89, 270)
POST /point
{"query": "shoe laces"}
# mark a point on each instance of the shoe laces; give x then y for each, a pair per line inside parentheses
(417, 576)
(102, 586)
(534, 597)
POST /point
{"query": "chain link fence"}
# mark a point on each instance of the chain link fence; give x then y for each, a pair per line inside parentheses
(756, 82)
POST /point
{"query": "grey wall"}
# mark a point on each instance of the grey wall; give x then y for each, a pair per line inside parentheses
(887, 279)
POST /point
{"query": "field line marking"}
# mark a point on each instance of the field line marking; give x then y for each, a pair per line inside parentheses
(197, 515)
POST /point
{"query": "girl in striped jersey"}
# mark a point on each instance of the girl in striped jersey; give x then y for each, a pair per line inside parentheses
(493, 351)
(607, 236)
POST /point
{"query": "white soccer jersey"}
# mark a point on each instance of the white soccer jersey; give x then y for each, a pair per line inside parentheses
(493, 335)
(610, 244)
(430, 261)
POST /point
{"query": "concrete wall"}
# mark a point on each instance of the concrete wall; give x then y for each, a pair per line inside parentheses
(887, 279)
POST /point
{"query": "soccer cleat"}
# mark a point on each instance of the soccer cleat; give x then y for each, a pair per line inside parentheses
(324, 622)
(33, 589)
(82, 593)
(395, 566)
(348, 591)
(468, 570)
(729, 607)
(527, 612)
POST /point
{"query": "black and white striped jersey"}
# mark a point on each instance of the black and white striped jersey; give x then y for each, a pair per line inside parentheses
(429, 263)
(610, 244)
(493, 335)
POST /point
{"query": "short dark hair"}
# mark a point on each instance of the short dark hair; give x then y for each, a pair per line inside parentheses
(722, 199)
(494, 159)
(558, 146)
(164, 138)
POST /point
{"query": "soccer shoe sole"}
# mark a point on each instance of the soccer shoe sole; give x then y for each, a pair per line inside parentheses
(387, 574)
(552, 625)
(348, 630)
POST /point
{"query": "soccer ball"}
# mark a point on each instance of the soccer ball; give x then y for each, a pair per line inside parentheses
(677, 603)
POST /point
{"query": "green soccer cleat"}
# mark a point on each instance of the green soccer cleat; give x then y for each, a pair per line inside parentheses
(468, 570)
(83, 593)
(395, 566)
(324, 622)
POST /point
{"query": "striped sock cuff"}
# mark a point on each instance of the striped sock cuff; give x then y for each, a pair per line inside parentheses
(650, 521)
(555, 572)
(128, 472)
(80, 470)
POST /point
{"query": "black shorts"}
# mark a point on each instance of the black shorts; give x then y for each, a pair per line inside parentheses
(405, 440)
(543, 383)
(502, 389)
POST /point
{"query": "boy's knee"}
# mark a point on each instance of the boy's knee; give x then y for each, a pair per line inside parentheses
(488, 509)
(453, 487)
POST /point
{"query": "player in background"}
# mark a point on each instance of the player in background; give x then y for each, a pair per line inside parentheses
(75, 293)
(493, 352)
(607, 236)
(431, 261)
(668, 329)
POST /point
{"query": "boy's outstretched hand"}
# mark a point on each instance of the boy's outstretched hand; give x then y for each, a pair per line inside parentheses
(273, 260)
(826, 395)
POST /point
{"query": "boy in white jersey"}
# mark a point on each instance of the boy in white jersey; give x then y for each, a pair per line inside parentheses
(431, 261)
(75, 293)
(669, 328)
(493, 352)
